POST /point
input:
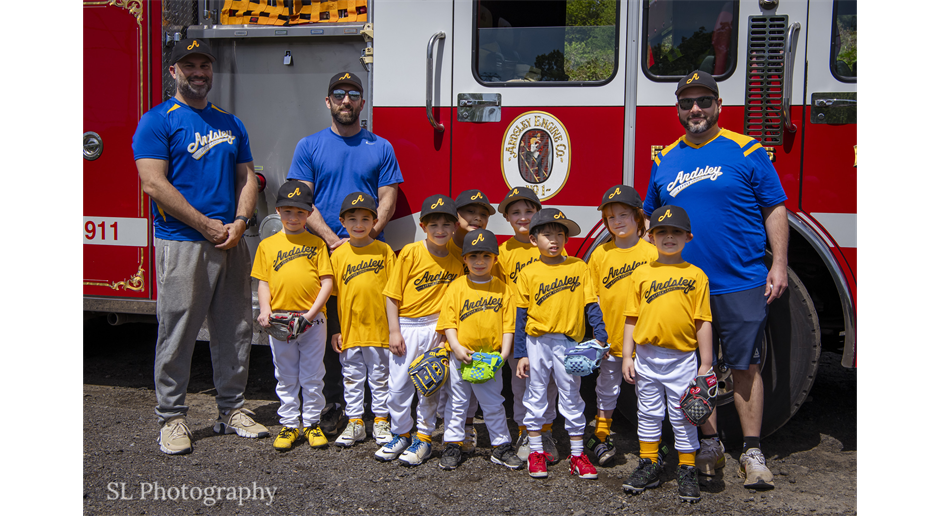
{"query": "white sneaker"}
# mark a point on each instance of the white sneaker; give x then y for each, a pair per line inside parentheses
(393, 448)
(416, 454)
(522, 446)
(551, 451)
(469, 443)
(710, 456)
(355, 432)
(754, 470)
(382, 432)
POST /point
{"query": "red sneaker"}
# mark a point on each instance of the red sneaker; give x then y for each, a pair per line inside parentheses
(581, 466)
(537, 468)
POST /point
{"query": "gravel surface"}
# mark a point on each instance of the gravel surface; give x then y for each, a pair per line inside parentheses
(813, 458)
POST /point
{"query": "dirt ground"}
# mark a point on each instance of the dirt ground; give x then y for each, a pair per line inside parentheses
(813, 458)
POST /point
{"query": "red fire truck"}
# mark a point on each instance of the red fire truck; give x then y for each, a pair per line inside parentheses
(564, 97)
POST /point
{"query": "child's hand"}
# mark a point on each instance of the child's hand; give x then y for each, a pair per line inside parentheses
(629, 373)
(396, 344)
(462, 355)
(264, 318)
(522, 368)
(337, 343)
(705, 370)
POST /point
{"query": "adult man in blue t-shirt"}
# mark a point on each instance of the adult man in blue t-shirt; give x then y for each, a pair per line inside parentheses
(335, 162)
(195, 163)
(729, 188)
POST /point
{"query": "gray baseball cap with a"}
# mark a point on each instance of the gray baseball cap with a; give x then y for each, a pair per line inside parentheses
(698, 78)
(480, 240)
(186, 47)
(670, 215)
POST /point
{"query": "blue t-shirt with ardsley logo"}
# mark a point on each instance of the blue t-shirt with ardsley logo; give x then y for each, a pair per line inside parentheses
(339, 166)
(722, 185)
(202, 147)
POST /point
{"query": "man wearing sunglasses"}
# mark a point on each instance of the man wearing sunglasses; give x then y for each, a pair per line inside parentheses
(730, 189)
(335, 162)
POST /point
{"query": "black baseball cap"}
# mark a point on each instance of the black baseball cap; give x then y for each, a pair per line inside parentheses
(438, 204)
(623, 194)
(186, 47)
(480, 240)
(358, 201)
(344, 78)
(698, 78)
(517, 194)
(548, 215)
(670, 215)
(295, 194)
(474, 196)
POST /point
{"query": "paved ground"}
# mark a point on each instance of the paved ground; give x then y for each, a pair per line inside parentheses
(814, 457)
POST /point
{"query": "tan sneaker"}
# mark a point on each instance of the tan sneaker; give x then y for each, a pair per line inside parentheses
(285, 438)
(239, 422)
(710, 456)
(469, 443)
(175, 437)
(754, 470)
(315, 437)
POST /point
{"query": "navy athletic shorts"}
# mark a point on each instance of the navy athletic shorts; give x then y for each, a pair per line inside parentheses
(738, 321)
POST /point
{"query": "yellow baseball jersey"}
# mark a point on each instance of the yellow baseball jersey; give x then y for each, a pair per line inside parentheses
(513, 257)
(555, 296)
(292, 265)
(480, 312)
(361, 274)
(418, 280)
(609, 266)
(667, 300)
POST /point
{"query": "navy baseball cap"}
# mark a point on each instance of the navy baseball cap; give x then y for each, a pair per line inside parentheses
(549, 215)
(474, 196)
(344, 78)
(670, 215)
(295, 194)
(622, 194)
(517, 194)
(186, 47)
(358, 201)
(698, 78)
(438, 204)
(480, 240)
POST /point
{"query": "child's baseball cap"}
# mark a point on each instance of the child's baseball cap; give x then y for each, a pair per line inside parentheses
(480, 240)
(670, 215)
(438, 204)
(296, 195)
(517, 194)
(549, 215)
(474, 196)
(623, 194)
(358, 201)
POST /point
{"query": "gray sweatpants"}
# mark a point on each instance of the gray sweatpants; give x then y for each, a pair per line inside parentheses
(197, 282)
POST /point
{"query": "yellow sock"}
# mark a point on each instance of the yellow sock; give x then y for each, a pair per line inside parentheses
(687, 458)
(521, 429)
(380, 418)
(406, 435)
(357, 420)
(602, 429)
(425, 438)
(547, 427)
(650, 450)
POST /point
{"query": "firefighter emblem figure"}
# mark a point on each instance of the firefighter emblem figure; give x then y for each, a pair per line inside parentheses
(195, 163)
(536, 154)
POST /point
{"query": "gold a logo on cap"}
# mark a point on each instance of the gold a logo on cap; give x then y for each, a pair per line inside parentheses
(358, 199)
(559, 215)
(695, 77)
(295, 192)
(478, 239)
(616, 192)
(477, 196)
(194, 44)
(515, 191)
(345, 77)
(667, 215)
(440, 202)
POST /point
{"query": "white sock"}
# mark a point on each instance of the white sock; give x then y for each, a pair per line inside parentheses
(535, 445)
(577, 447)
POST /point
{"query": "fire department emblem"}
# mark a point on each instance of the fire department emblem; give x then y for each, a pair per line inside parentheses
(536, 154)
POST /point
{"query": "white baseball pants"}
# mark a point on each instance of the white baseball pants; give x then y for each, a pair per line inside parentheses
(489, 396)
(298, 367)
(658, 371)
(547, 362)
(609, 378)
(420, 336)
(518, 394)
(360, 363)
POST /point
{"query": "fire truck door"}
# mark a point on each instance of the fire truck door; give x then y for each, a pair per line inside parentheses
(116, 253)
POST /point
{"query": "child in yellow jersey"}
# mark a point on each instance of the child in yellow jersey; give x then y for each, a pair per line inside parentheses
(362, 267)
(518, 208)
(668, 317)
(610, 264)
(556, 296)
(295, 275)
(414, 294)
(478, 315)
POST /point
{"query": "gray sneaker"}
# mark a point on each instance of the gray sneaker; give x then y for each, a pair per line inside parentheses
(522, 446)
(710, 456)
(175, 437)
(239, 422)
(382, 432)
(355, 432)
(551, 450)
(754, 470)
(504, 455)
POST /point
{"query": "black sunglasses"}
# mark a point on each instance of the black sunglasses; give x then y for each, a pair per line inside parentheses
(353, 95)
(703, 102)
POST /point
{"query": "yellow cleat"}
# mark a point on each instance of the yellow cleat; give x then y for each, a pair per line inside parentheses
(285, 438)
(315, 437)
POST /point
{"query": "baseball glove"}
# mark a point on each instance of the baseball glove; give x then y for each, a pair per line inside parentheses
(698, 401)
(429, 371)
(287, 327)
(482, 369)
(584, 358)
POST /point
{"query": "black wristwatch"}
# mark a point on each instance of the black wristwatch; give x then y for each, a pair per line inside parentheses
(242, 218)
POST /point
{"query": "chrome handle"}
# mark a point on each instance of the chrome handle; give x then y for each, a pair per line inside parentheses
(439, 127)
(478, 102)
(830, 102)
(92, 146)
(793, 35)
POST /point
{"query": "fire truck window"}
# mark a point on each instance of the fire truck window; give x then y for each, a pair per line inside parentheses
(682, 36)
(844, 43)
(526, 41)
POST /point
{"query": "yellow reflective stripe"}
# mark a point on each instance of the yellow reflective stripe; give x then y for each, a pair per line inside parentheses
(168, 111)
